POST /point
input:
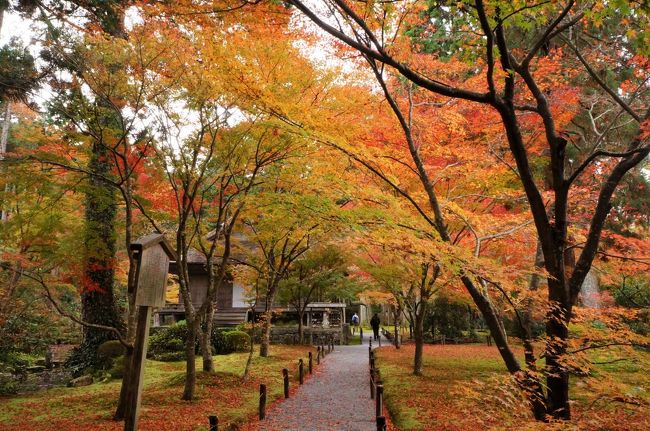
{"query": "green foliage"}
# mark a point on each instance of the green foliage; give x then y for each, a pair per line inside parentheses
(449, 317)
(237, 341)
(18, 73)
(170, 356)
(218, 341)
(320, 275)
(109, 350)
(13, 359)
(117, 369)
(443, 30)
(8, 385)
(169, 342)
(635, 293)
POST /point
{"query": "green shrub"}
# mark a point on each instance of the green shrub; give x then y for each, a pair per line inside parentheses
(237, 341)
(17, 359)
(170, 339)
(117, 369)
(219, 343)
(108, 351)
(169, 357)
(8, 386)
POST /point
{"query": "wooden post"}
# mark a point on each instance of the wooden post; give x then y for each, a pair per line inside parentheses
(381, 423)
(301, 371)
(134, 391)
(361, 334)
(370, 342)
(372, 378)
(311, 362)
(379, 339)
(489, 339)
(379, 398)
(318, 356)
(152, 255)
(369, 352)
(285, 377)
(214, 423)
(262, 406)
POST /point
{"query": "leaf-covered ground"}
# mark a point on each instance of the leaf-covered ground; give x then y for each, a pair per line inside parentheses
(466, 387)
(222, 393)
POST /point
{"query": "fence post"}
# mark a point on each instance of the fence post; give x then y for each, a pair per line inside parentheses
(214, 423)
(372, 379)
(262, 406)
(311, 362)
(381, 423)
(488, 339)
(361, 334)
(379, 339)
(370, 342)
(318, 356)
(285, 377)
(301, 371)
(379, 396)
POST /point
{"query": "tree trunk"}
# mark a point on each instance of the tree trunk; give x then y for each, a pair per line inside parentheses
(206, 336)
(249, 360)
(396, 332)
(6, 122)
(396, 325)
(535, 389)
(97, 300)
(419, 338)
(266, 335)
(268, 311)
(301, 328)
(206, 339)
(557, 333)
(190, 360)
(120, 412)
(494, 324)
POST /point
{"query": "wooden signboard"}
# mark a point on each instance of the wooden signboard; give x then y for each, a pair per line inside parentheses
(152, 254)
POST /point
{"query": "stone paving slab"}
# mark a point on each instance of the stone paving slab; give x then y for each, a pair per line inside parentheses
(335, 398)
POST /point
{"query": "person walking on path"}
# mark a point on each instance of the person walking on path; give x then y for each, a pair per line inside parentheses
(374, 322)
(355, 323)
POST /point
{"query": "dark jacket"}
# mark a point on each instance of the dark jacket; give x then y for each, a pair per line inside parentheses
(374, 322)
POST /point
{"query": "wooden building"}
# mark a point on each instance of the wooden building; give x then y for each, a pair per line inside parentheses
(232, 308)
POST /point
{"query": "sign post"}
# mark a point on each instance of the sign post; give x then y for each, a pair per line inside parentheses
(152, 255)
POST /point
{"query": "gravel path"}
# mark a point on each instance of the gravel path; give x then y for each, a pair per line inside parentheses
(335, 398)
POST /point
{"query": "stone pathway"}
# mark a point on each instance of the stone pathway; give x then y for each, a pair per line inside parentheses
(335, 398)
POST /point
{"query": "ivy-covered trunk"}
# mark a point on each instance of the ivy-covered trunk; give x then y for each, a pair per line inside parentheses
(97, 298)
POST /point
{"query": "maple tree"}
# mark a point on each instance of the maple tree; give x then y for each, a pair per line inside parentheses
(514, 84)
(484, 142)
(319, 276)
